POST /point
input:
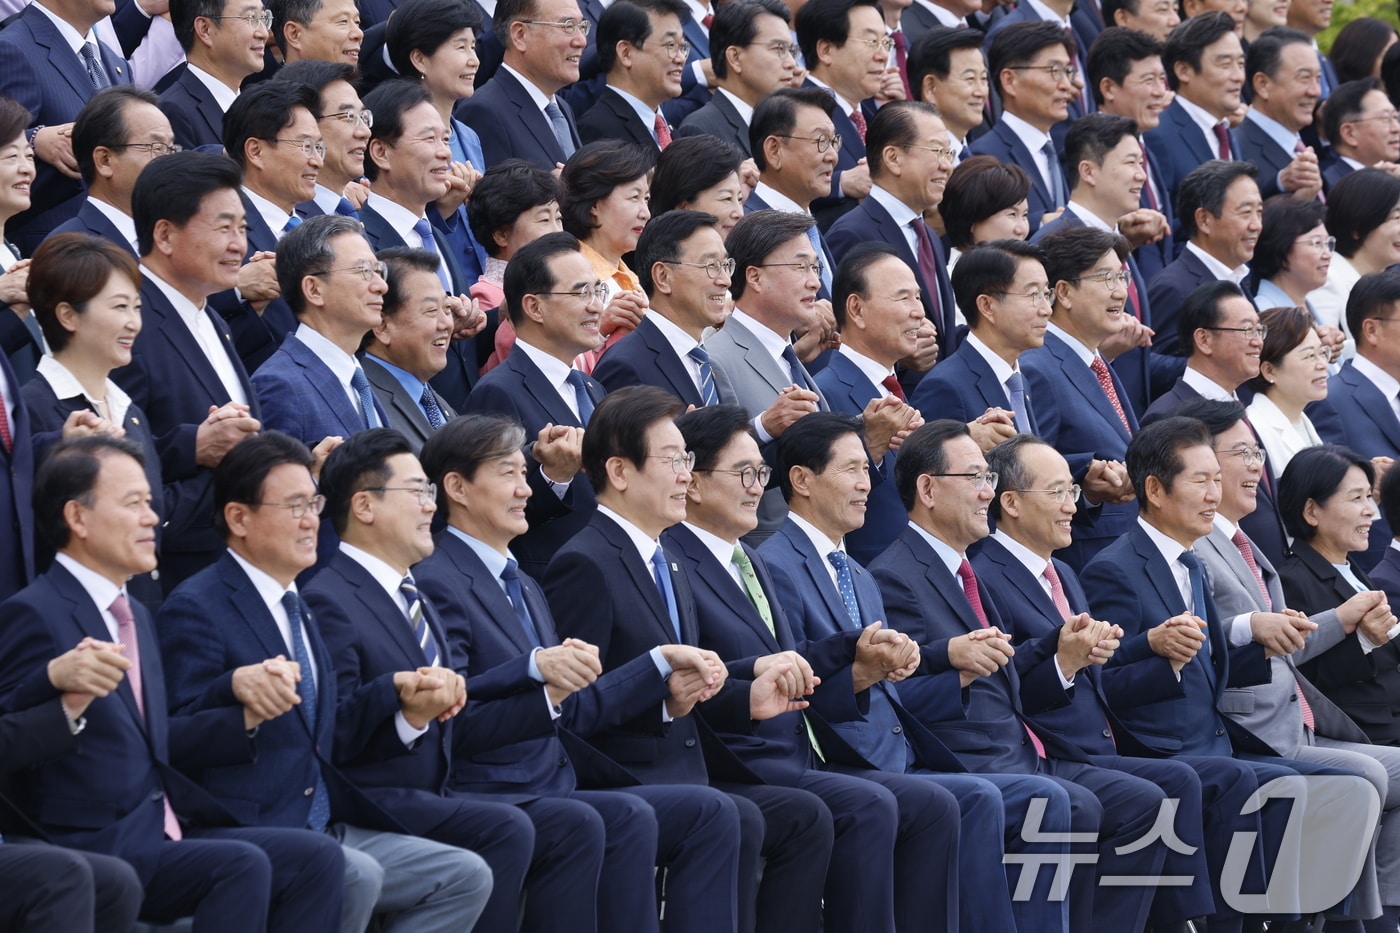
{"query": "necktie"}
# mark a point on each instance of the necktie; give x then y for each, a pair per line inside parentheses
(292, 223)
(709, 395)
(1147, 189)
(93, 63)
(928, 271)
(511, 576)
(561, 128)
(891, 384)
(128, 638)
(858, 121)
(974, 597)
(901, 60)
(1016, 388)
(1222, 141)
(5, 439)
(1246, 550)
(1133, 292)
(1324, 85)
(1057, 590)
(306, 689)
(845, 585)
(1192, 563)
(1298, 148)
(706, 20)
(1056, 179)
(360, 384)
(346, 209)
(662, 131)
(585, 401)
(1105, 378)
(795, 368)
(815, 238)
(431, 408)
(662, 574)
(424, 230)
(421, 632)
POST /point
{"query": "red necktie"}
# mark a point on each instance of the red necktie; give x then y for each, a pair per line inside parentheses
(901, 59)
(663, 132)
(1222, 139)
(126, 635)
(1057, 591)
(858, 120)
(1247, 552)
(969, 585)
(891, 382)
(1147, 185)
(1105, 378)
(706, 20)
(1133, 292)
(928, 271)
(5, 426)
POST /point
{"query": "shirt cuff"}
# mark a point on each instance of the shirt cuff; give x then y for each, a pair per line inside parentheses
(662, 666)
(554, 711)
(1066, 682)
(560, 489)
(407, 734)
(763, 436)
(699, 72)
(1240, 631)
(534, 668)
(1367, 646)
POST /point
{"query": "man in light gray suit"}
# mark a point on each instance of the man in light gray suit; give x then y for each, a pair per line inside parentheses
(409, 346)
(1287, 714)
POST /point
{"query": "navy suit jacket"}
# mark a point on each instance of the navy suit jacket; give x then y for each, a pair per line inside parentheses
(257, 336)
(1084, 21)
(518, 388)
(109, 796)
(611, 117)
(1334, 169)
(963, 386)
(1007, 147)
(1178, 145)
(1132, 585)
(717, 118)
(511, 126)
(1168, 291)
(1154, 257)
(40, 71)
(16, 494)
(194, 115)
(646, 357)
(828, 208)
(303, 398)
(1258, 147)
(92, 221)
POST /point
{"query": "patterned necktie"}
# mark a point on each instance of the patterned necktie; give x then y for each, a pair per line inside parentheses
(1016, 388)
(431, 408)
(927, 262)
(128, 638)
(5, 438)
(1100, 369)
(901, 60)
(346, 209)
(661, 573)
(858, 121)
(416, 620)
(974, 597)
(1134, 303)
(845, 585)
(662, 131)
(360, 384)
(891, 384)
(1192, 563)
(815, 238)
(709, 395)
(560, 123)
(1222, 141)
(585, 401)
(1057, 590)
(292, 223)
(510, 575)
(1056, 179)
(424, 230)
(320, 813)
(93, 63)
(1147, 190)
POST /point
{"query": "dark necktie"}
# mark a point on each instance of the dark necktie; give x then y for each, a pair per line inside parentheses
(360, 384)
(845, 585)
(560, 124)
(707, 20)
(661, 573)
(1016, 388)
(431, 408)
(1147, 189)
(891, 384)
(901, 59)
(1133, 292)
(1192, 563)
(974, 598)
(1222, 141)
(93, 63)
(796, 369)
(346, 209)
(858, 121)
(585, 401)
(292, 223)
(928, 271)
(320, 813)
(422, 633)
(424, 230)
(1056, 180)
(709, 395)
(511, 577)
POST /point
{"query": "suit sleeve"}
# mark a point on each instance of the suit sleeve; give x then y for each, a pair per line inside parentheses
(197, 672)
(279, 397)
(1135, 674)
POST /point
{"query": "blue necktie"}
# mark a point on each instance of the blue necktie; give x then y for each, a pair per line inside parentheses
(96, 73)
(1324, 85)
(1016, 388)
(346, 209)
(292, 223)
(845, 585)
(795, 368)
(421, 632)
(306, 689)
(708, 394)
(511, 576)
(815, 238)
(360, 384)
(1057, 175)
(431, 408)
(585, 401)
(424, 230)
(560, 124)
(1198, 590)
(662, 573)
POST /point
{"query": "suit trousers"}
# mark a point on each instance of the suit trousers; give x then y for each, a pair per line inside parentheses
(786, 840)
(415, 885)
(224, 884)
(308, 875)
(47, 889)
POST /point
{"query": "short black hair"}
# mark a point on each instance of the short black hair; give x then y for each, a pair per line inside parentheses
(618, 428)
(507, 12)
(1390, 499)
(692, 164)
(989, 270)
(1020, 43)
(1187, 41)
(262, 111)
(1266, 51)
(1091, 138)
(810, 441)
(361, 462)
(70, 472)
(1114, 53)
(389, 102)
(425, 26)
(630, 21)
(307, 250)
(1358, 204)
(1315, 473)
(504, 192)
(776, 115)
(1285, 220)
(1156, 451)
(980, 187)
(528, 271)
(708, 430)
(1005, 461)
(1217, 415)
(594, 172)
(316, 73)
(736, 25)
(102, 122)
(1373, 295)
(661, 241)
(465, 443)
(183, 13)
(1357, 47)
(852, 276)
(1205, 186)
(932, 53)
(239, 477)
(301, 12)
(1344, 105)
(825, 21)
(401, 260)
(173, 187)
(893, 125)
(922, 454)
(1202, 309)
(1072, 252)
(755, 237)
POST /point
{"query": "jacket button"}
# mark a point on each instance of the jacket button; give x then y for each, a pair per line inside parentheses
(156, 796)
(1219, 731)
(1107, 734)
(563, 762)
(310, 791)
(897, 730)
(689, 743)
(1293, 698)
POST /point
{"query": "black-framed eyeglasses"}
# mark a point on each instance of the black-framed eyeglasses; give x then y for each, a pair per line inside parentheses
(427, 493)
(682, 461)
(571, 27)
(1258, 330)
(980, 480)
(155, 149)
(1056, 72)
(713, 268)
(823, 142)
(587, 294)
(1058, 493)
(1247, 455)
(749, 475)
(365, 270)
(352, 118)
(252, 20)
(814, 267)
(298, 507)
(308, 147)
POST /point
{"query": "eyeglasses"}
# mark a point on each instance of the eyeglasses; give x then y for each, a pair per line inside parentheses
(823, 142)
(571, 27)
(352, 118)
(427, 493)
(308, 147)
(1318, 242)
(1313, 357)
(1258, 330)
(155, 149)
(980, 480)
(588, 294)
(713, 268)
(298, 507)
(1389, 117)
(1109, 279)
(1056, 72)
(1035, 296)
(252, 20)
(365, 270)
(783, 49)
(1058, 493)
(815, 267)
(749, 475)
(674, 50)
(682, 461)
(884, 45)
(942, 153)
(1247, 455)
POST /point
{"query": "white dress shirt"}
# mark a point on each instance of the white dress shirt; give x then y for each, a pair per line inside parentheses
(271, 593)
(217, 351)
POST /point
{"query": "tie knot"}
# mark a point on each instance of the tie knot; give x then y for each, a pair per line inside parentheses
(292, 223)
(699, 354)
(409, 589)
(121, 610)
(578, 380)
(1190, 561)
(423, 228)
(658, 559)
(511, 571)
(358, 381)
(291, 602)
(839, 560)
(1239, 540)
(346, 209)
(1051, 573)
(1014, 381)
(965, 573)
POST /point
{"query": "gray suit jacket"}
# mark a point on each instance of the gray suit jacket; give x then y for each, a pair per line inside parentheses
(405, 415)
(718, 118)
(1270, 711)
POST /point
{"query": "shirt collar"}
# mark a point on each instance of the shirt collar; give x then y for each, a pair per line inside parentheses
(821, 541)
(1201, 118)
(494, 560)
(1224, 525)
(950, 558)
(224, 95)
(99, 589)
(272, 215)
(268, 589)
(341, 364)
(123, 222)
(1286, 138)
(1047, 14)
(539, 97)
(1208, 388)
(1218, 268)
(643, 112)
(722, 550)
(1388, 384)
(556, 371)
(66, 385)
(1169, 548)
(679, 340)
(899, 212)
(185, 308)
(383, 574)
(1352, 162)
(777, 200)
(1090, 218)
(743, 109)
(1000, 369)
(1031, 137)
(326, 199)
(397, 216)
(944, 16)
(70, 35)
(1028, 558)
(698, 12)
(411, 383)
(1086, 356)
(841, 102)
(870, 369)
(772, 341)
(646, 546)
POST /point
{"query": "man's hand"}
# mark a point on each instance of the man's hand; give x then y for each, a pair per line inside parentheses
(821, 336)
(468, 319)
(1302, 177)
(14, 287)
(891, 86)
(1178, 639)
(791, 404)
(925, 355)
(266, 690)
(93, 669)
(623, 312)
(1131, 335)
(855, 182)
(992, 427)
(568, 668)
(799, 680)
(768, 696)
(225, 427)
(979, 654)
(321, 451)
(54, 145)
(1107, 481)
(427, 694)
(1280, 632)
(1084, 640)
(1377, 623)
(559, 451)
(879, 653)
(257, 279)
(357, 192)
(884, 418)
(696, 675)
(748, 176)
(1351, 612)
(1333, 340)
(461, 177)
(1143, 226)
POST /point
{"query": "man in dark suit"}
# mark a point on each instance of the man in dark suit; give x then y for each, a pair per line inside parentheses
(227, 878)
(752, 54)
(328, 30)
(16, 486)
(217, 631)
(1281, 69)
(639, 44)
(409, 346)
(1082, 20)
(223, 42)
(635, 458)
(554, 298)
(186, 375)
(503, 638)
(923, 16)
(1204, 63)
(1312, 18)
(517, 113)
(1358, 127)
(1221, 214)
(313, 387)
(388, 647)
(344, 130)
(52, 76)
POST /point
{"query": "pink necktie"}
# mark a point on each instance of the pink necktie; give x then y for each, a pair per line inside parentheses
(663, 132)
(969, 585)
(5, 438)
(1105, 378)
(901, 59)
(858, 120)
(1133, 292)
(1247, 552)
(126, 635)
(1147, 185)
(1057, 591)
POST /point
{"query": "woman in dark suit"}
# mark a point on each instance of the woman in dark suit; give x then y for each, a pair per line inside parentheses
(84, 291)
(1326, 500)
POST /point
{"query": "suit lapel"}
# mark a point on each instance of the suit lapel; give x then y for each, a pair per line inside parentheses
(320, 377)
(1020, 154)
(204, 101)
(61, 55)
(641, 574)
(1374, 404)
(1087, 385)
(253, 613)
(173, 329)
(1163, 580)
(531, 117)
(717, 579)
(671, 365)
(544, 394)
(757, 357)
(92, 625)
(496, 607)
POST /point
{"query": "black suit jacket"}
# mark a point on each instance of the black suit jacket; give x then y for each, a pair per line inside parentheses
(1258, 147)
(194, 115)
(511, 126)
(92, 221)
(613, 118)
(717, 118)
(1167, 292)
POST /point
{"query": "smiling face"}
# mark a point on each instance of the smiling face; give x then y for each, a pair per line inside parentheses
(835, 498)
(718, 500)
(1092, 308)
(333, 35)
(1216, 87)
(116, 535)
(16, 176)
(269, 536)
(345, 304)
(961, 96)
(724, 199)
(415, 337)
(546, 54)
(1300, 377)
(1265, 14)
(958, 517)
(1157, 18)
(1232, 236)
(278, 169)
(651, 496)
(204, 255)
(118, 169)
(654, 73)
(528, 227)
(450, 72)
(692, 300)
(105, 330)
(402, 525)
(765, 64)
(1291, 94)
(795, 166)
(854, 69)
(491, 505)
(916, 174)
(1142, 96)
(1034, 95)
(1186, 511)
(620, 218)
(345, 141)
(884, 324)
(780, 294)
(1233, 354)
(1037, 519)
(1239, 481)
(564, 325)
(1374, 136)
(1310, 16)
(234, 48)
(1344, 521)
(1014, 323)
(1309, 259)
(1012, 223)
(416, 166)
(1118, 182)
